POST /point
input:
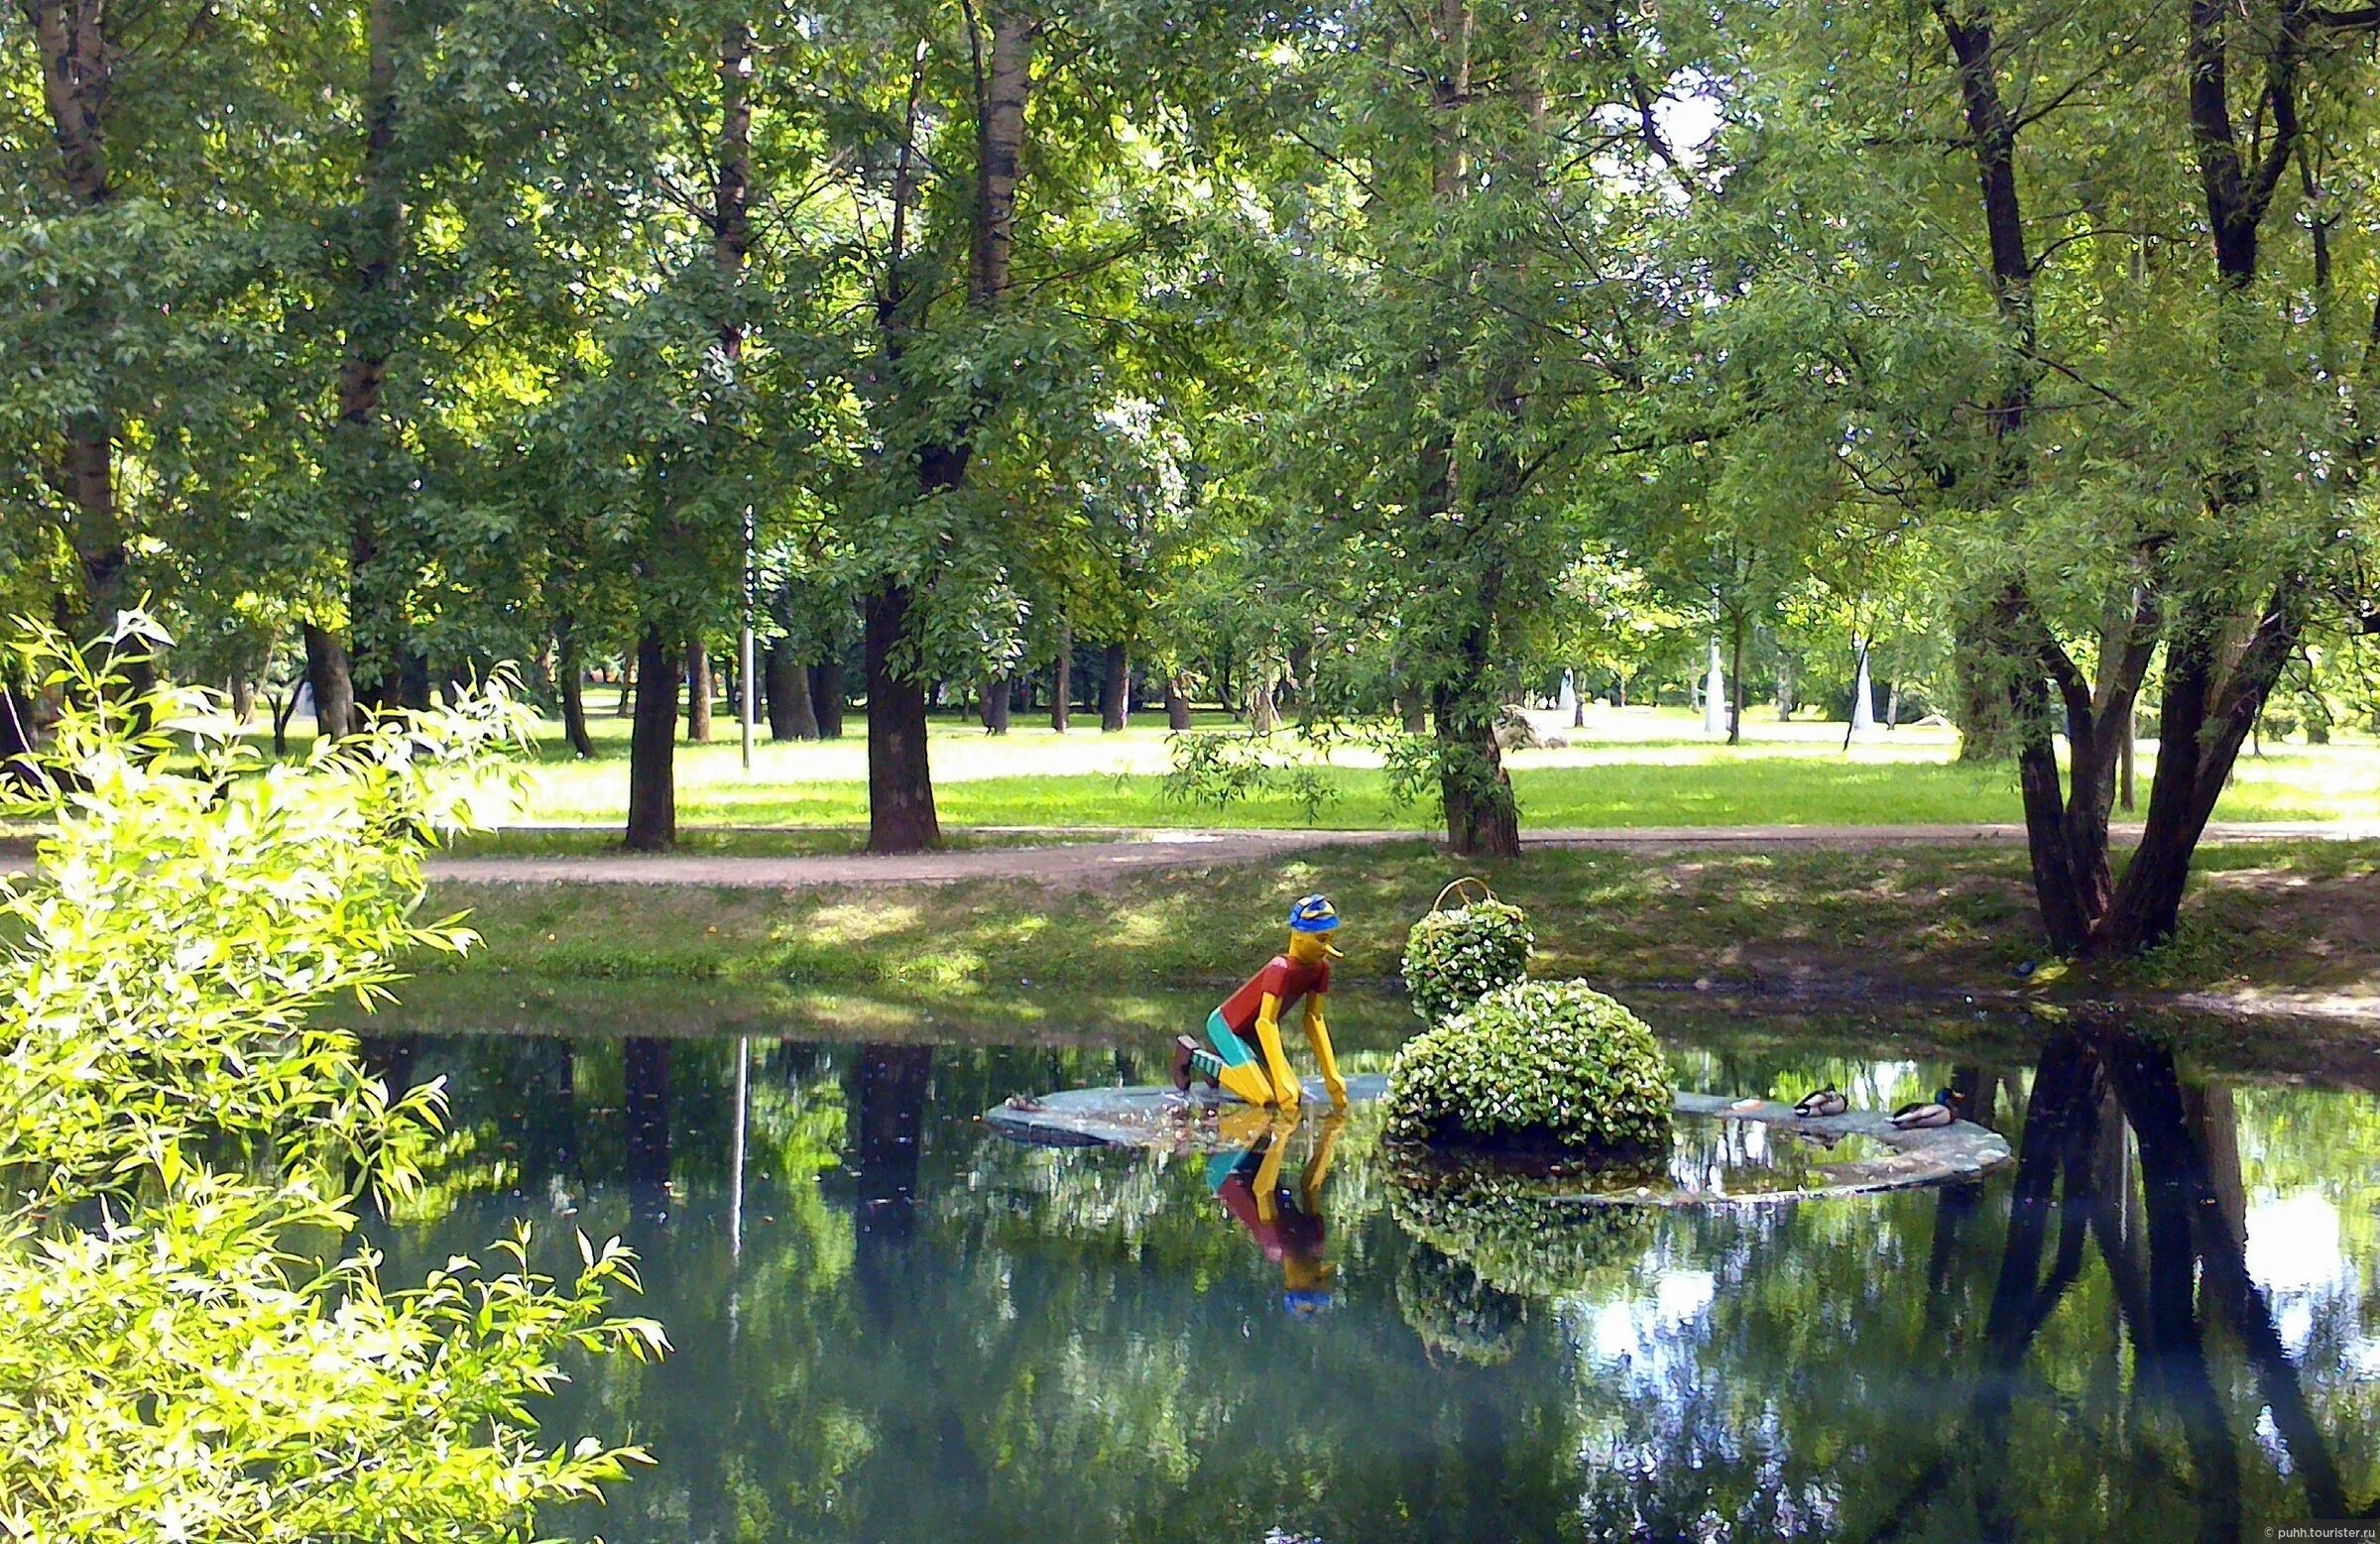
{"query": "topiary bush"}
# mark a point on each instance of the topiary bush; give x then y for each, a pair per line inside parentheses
(1537, 1065)
(1455, 958)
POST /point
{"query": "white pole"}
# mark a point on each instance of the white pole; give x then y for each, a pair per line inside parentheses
(735, 1171)
(744, 675)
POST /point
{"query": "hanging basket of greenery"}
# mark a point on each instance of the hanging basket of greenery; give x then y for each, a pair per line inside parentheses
(1538, 1065)
(1457, 955)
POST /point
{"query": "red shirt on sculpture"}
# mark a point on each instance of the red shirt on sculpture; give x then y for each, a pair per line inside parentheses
(1285, 979)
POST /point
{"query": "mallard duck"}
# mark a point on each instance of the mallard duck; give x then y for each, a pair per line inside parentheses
(1828, 1101)
(1941, 1110)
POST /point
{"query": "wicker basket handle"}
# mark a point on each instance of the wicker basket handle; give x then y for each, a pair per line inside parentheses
(1456, 889)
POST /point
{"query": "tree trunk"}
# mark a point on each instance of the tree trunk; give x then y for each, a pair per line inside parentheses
(243, 700)
(413, 681)
(1412, 708)
(627, 683)
(653, 747)
(334, 692)
(996, 704)
(1061, 690)
(360, 454)
(1177, 705)
(570, 679)
(1481, 819)
(18, 740)
(1735, 681)
(1300, 681)
(1115, 690)
(698, 691)
(1000, 140)
(900, 790)
(2126, 757)
(76, 62)
(2202, 722)
(1892, 703)
(790, 714)
(826, 696)
(1263, 716)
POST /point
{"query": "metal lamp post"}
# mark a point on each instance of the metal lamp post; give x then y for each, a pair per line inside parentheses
(744, 674)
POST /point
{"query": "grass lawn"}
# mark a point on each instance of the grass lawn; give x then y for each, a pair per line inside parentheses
(2301, 918)
(1628, 767)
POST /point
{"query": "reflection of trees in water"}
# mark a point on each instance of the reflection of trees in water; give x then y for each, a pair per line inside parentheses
(893, 1081)
(2169, 1231)
(2174, 1252)
(1512, 1231)
(2108, 1384)
(644, 1076)
(928, 1346)
(1454, 1312)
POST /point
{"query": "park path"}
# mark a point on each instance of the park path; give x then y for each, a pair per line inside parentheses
(1087, 859)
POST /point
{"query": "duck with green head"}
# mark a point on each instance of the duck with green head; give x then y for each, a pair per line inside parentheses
(1941, 1110)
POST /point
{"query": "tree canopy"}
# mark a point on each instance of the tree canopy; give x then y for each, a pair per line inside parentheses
(1364, 366)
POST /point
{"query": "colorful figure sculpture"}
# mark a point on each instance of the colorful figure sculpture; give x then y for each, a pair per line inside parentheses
(1301, 973)
(1287, 1228)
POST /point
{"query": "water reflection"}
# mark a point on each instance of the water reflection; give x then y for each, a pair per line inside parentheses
(893, 1324)
(1287, 1226)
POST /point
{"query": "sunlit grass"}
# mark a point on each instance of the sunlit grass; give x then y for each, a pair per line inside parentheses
(1904, 915)
(1628, 767)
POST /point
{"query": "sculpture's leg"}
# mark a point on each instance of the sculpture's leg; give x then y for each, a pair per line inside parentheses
(1318, 1167)
(1286, 1091)
(1232, 1064)
(1318, 1036)
(1267, 1183)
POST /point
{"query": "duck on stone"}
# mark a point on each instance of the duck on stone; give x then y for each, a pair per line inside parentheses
(1828, 1101)
(1941, 1110)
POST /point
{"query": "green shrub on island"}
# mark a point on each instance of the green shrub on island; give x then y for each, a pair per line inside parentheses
(1538, 1065)
(1455, 958)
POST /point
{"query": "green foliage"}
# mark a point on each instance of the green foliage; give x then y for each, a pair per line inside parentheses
(1455, 1312)
(1456, 957)
(192, 1353)
(1511, 1230)
(1537, 1064)
(1219, 770)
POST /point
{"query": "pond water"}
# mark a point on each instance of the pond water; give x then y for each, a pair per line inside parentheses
(893, 1324)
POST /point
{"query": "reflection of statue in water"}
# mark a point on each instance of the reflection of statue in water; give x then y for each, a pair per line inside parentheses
(1287, 1226)
(1303, 972)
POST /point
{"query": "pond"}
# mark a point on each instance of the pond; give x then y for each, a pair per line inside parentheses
(893, 1324)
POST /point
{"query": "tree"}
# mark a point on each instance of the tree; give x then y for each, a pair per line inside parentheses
(151, 1250)
(2106, 412)
(1466, 366)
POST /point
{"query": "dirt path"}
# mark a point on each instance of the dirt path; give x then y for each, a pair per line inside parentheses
(1078, 858)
